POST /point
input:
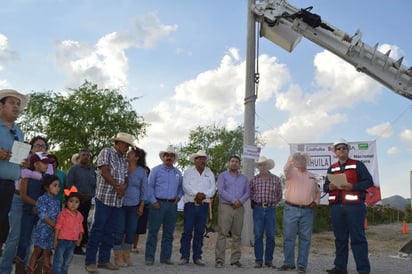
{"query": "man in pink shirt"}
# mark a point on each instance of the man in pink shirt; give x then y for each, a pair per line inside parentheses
(301, 196)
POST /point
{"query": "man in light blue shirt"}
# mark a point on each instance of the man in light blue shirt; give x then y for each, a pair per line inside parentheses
(165, 191)
(11, 104)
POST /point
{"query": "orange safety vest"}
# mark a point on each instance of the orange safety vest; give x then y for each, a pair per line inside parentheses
(346, 196)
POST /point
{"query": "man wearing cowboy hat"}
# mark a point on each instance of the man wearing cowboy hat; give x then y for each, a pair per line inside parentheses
(199, 187)
(165, 191)
(110, 186)
(12, 103)
(265, 194)
(301, 196)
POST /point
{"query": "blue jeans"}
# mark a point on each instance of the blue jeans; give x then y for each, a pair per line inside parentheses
(166, 216)
(63, 256)
(195, 218)
(12, 242)
(348, 221)
(106, 220)
(297, 221)
(28, 223)
(264, 222)
(127, 226)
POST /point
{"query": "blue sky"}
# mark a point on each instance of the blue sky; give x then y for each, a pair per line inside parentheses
(186, 60)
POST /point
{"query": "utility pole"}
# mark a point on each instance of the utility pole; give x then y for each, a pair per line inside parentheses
(249, 119)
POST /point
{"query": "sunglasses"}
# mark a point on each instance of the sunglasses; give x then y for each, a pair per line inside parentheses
(341, 148)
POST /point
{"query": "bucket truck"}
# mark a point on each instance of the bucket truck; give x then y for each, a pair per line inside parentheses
(284, 25)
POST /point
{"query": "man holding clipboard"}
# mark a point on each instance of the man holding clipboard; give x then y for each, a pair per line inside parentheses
(346, 183)
(11, 104)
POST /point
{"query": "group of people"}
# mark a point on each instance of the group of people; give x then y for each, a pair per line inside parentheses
(122, 185)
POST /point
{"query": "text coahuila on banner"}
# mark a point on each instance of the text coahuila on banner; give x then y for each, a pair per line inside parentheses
(322, 156)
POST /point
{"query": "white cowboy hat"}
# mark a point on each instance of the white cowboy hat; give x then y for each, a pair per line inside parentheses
(268, 162)
(124, 137)
(169, 150)
(75, 158)
(200, 153)
(14, 93)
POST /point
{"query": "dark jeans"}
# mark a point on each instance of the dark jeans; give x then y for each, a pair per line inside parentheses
(106, 220)
(84, 209)
(6, 196)
(195, 217)
(348, 222)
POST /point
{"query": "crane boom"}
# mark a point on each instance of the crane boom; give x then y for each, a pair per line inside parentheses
(284, 25)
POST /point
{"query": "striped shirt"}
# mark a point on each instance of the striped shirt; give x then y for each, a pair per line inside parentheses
(266, 190)
(118, 169)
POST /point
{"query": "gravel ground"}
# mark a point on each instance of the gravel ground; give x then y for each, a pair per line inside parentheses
(321, 257)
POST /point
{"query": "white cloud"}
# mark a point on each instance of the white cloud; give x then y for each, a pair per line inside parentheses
(406, 137)
(6, 55)
(392, 150)
(106, 63)
(384, 130)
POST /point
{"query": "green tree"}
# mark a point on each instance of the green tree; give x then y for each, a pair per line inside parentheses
(85, 117)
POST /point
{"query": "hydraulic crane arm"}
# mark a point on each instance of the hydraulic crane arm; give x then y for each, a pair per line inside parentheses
(284, 25)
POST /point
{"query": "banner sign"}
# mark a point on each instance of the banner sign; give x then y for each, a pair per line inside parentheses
(322, 157)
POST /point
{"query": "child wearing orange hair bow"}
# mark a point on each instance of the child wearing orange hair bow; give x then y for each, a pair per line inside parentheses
(68, 232)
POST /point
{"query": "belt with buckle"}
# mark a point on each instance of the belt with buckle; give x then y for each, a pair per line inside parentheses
(6, 181)
(165, 200)
(264, 204)
(299, 206)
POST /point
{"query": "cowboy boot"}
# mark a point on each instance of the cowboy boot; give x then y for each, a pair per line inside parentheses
(19, 266)
(40, 265)
(118, 258)
(32, 270)
(47, 269)
(126, 257)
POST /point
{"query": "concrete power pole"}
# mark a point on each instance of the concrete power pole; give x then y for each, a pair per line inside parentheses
(249, 119)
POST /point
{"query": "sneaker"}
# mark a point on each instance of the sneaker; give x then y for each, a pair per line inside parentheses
(219, 265)
(336, 271)
(258, 265)
(108, 265)
(268, 264)
(301, 270)
(286, 268)
(91, 268)
(148, 262)
(183, 261)
(199, 262)
(238, 264)
(169, 262)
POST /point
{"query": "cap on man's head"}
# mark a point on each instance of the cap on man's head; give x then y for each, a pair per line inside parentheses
(340, 141)
(41, 157)
(14, 93)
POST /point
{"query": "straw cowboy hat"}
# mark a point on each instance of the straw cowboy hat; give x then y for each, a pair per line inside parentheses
(75, 158)
(124, 137)
(14, 93)
(169, 150)
(265, 161)
(200, 153)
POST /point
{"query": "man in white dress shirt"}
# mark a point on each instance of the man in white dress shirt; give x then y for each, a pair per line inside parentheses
(199, 187)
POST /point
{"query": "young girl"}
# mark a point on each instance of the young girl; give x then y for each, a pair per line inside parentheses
(48, 208)
(68, 232)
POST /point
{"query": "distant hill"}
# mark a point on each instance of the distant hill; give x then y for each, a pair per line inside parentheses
(396, 201)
